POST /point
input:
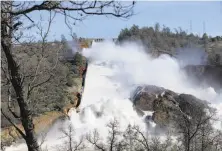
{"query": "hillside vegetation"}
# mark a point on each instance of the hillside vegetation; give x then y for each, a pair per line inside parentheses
(62, 79)
(160, 40)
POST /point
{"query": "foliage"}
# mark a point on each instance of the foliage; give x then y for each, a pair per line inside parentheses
(78, 59)
(159, 40)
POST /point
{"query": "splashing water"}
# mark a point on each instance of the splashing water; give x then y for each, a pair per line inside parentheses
(112, 74)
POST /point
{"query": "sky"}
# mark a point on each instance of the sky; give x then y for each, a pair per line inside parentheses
(171, 14)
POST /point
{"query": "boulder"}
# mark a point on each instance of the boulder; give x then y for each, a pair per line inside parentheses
(166, 104)
(144, 96)
(166, 108)
(189, 104)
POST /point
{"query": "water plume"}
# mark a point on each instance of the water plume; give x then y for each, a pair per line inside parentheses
(113, 72)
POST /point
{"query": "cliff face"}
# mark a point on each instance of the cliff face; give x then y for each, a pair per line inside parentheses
(205, 75)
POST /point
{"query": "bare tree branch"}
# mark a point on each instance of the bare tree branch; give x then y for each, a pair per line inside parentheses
(28, 18)
(37, 85)
(19, 130)
(94, 140)
(71, 144)
(144, 140)
(85, 7)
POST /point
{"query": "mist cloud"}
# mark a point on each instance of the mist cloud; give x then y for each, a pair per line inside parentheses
(113, 73)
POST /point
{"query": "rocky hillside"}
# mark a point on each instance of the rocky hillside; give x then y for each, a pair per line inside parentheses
(167, 106)
(46, 118)
(205, 75)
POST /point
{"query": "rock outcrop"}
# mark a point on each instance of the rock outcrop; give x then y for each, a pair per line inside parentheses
(166, 104)
(144, 96)
(205, 75)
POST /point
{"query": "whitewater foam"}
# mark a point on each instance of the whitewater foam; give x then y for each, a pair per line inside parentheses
(133, 66)
(112, 74)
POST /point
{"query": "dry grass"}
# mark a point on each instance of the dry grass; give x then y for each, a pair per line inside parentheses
(41, 123)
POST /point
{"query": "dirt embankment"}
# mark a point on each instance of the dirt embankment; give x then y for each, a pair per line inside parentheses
(42, 123)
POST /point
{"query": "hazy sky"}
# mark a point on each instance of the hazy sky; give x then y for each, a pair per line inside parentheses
(171, 14)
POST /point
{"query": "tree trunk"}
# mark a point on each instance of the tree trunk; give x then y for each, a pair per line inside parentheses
(15, 78)
(188, 145)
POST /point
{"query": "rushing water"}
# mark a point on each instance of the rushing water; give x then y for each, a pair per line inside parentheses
(112, 74)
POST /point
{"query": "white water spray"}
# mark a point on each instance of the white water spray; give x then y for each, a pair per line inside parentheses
(113, 72)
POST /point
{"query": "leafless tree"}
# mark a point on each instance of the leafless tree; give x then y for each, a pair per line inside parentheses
(71, 144)
(136, 139)
(34, 73)
(132, 139)
(113, 141)
(141, 138)
(207, 138)
(157, 145)
(12, 27)
(195, 128)
(96, 141)
(114, 133)
(129, 140)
